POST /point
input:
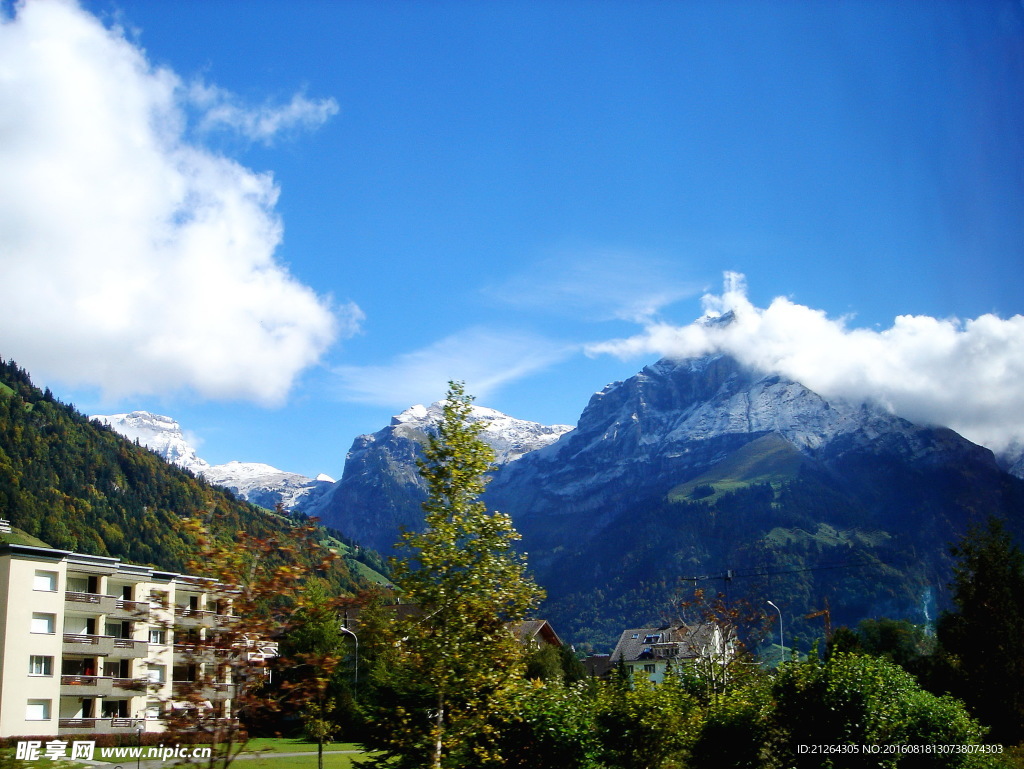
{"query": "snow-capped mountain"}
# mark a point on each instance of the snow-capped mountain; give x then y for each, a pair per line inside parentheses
(258, 483)
(380, 490)
(510, 438)
(676, 419)
(699, 466)
(159, 434)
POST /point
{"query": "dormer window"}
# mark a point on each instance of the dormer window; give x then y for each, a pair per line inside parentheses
(652, 639)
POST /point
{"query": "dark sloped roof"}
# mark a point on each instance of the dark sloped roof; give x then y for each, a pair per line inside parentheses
(667, 641)
(535, 630)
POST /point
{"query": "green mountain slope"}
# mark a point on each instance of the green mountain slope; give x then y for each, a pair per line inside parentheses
(768, 459)
(78, 485)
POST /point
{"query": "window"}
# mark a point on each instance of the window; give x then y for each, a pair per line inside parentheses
(38, 710)
(78, 585)
(157, 636)
(45, 580)
(157, 673)
(158, 598)
(652, 639)
(40, 666)
(43, 623)
(649, 668)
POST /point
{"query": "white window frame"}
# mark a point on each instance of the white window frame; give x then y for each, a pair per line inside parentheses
(157, 635)
(45, 581)
(49, 618)
(39, 710)
(157, 674)
(40, 665)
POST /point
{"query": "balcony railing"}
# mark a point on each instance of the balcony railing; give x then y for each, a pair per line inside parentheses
(100, 724)
(86, 686)
(134, 684)
(106, 645)
(90, 602)
(123, 606)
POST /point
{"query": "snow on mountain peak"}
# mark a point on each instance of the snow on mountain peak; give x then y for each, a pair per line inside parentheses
(158, 433)
(510, 438)
(259, 483)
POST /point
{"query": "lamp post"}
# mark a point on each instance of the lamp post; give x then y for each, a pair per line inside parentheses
(782, 638)
(138, 761)
(344, 629)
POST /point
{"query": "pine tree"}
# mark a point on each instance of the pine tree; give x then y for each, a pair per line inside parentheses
(457, 657)
(984, 638)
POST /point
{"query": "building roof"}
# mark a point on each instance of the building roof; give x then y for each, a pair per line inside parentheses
(535, 630)
(679, 642)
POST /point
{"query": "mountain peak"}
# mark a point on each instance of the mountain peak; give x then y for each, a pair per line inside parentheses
(256, 482)
(510, 438)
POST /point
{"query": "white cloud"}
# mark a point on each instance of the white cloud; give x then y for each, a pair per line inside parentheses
(966, 375)
(133, 259)
(484, 359)
(598, 284)
(222, 109)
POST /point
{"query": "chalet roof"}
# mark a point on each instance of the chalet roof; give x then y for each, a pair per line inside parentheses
(680, 642)
(538, 630)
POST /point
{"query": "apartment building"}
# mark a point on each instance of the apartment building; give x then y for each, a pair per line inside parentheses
(91, 645)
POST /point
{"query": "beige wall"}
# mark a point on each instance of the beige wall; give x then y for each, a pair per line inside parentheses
(21, 597)
(17, 686)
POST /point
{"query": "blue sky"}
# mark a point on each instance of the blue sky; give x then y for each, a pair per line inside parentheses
(282, 223)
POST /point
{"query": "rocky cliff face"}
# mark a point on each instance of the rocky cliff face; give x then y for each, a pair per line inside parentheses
(380, 491)
(675, 420)
(697, 467)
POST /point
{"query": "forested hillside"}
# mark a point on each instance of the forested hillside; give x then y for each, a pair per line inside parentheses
(77, 485)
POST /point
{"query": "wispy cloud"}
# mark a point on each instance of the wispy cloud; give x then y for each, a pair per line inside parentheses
(964, 374)
(134, 258)
(596, 285)
(485, 359)
(222, 110)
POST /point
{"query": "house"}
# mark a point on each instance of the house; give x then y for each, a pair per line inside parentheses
(535, 633)
(89, 644)
(651, 651)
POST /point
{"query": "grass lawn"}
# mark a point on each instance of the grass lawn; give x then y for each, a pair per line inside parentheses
(267, 747)
(293, 745)
(331, 761)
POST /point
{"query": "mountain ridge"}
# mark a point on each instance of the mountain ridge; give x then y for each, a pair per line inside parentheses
(256, 482)
(794, 484)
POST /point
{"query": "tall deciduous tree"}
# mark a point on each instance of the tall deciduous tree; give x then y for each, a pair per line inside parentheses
(250, 584)
(457, 657)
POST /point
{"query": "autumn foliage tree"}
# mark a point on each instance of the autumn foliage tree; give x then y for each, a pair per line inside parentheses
(251, 586)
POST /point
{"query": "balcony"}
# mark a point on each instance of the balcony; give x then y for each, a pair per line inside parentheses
(99, 725)
(104, 646)
(130, 648)
(86, 686)
(208, 690)
(125, 609)
(90, 603)
(186, 617)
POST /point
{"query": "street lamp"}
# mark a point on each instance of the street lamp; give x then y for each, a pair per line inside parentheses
(782, 639)
(344, 629)
(138, 761)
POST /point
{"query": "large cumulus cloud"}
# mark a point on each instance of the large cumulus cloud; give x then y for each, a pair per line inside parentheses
(134, 258)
